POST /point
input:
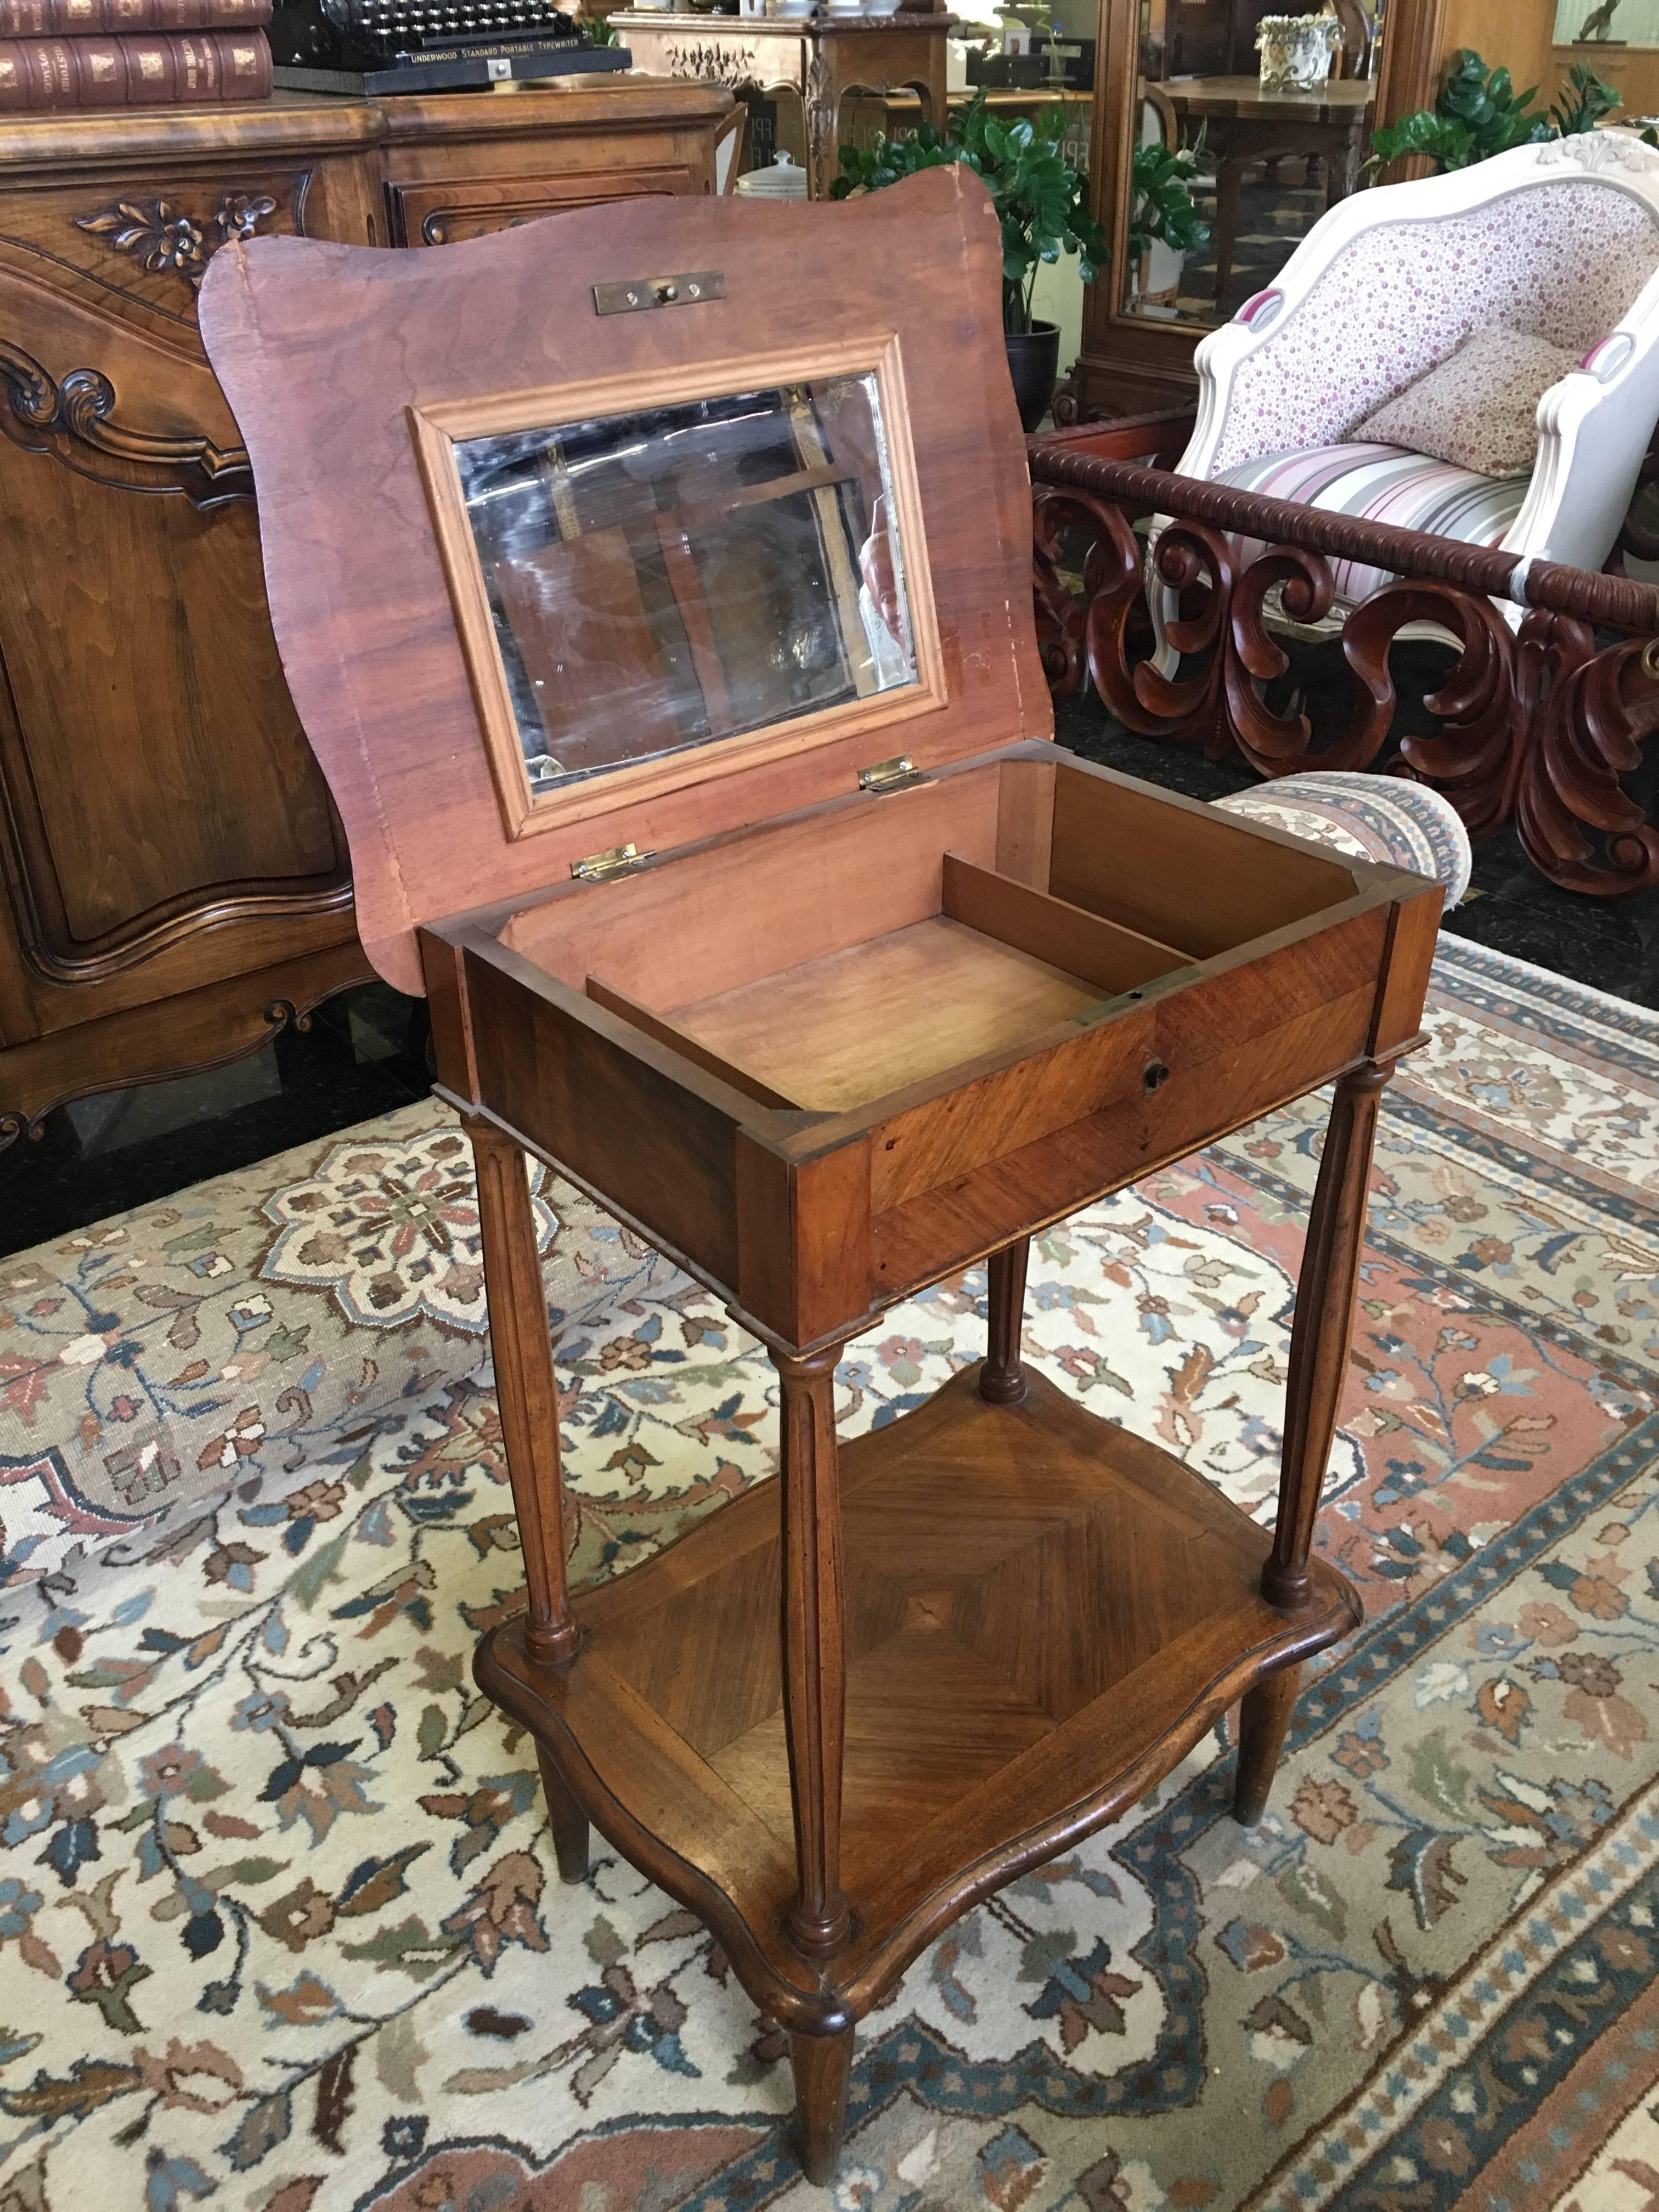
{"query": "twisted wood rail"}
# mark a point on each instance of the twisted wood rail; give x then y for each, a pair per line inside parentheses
(1538, 721)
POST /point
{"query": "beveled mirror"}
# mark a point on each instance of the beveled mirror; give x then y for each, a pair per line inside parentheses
(654, 572)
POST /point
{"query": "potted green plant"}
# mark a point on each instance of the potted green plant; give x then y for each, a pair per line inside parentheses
(1479, 113)
(1164, 224)
(1042, 203)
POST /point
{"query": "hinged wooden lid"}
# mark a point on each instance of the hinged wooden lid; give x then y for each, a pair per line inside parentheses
(358, 377)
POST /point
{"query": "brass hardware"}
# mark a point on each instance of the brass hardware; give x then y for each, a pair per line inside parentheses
(1650, 668)
(602, 867)
(634, 295)
(896, 774)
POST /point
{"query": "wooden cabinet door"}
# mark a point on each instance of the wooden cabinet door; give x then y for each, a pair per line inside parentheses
(442, 212)
(162, 822)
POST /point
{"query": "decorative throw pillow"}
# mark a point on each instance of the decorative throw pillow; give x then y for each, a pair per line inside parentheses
(1477, 409)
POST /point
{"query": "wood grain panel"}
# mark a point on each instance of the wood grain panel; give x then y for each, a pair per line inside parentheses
(803, 1237)
(1025, 821)
(753, 905)
(1195, 882)
(1415, 926)
(357, 586)
(917, 1242)
(839, 1031)
(115, 608)
(1113, 959)
(598, 1098)
(974, 1122)
(452, 209)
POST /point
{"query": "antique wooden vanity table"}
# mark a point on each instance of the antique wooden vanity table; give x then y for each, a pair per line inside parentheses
(654, 593)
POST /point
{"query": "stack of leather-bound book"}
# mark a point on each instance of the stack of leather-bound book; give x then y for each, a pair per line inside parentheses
(133, 53)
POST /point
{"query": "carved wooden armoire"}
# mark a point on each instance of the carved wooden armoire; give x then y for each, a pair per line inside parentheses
(174, 885)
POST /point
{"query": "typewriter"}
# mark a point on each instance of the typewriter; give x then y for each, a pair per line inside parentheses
(426, 45)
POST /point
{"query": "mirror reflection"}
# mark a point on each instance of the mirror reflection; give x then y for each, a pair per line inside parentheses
(1247, 126)
(662, 579)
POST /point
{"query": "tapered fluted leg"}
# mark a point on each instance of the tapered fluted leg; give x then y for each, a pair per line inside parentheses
(524, 1385)
(1264, 1714)
(1002, 1377)
(822, 2064)
(1320, 1336)
(814, 1646)
(568, 1819)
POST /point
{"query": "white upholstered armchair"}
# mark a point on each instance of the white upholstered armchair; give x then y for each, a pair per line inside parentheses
(1557, 243)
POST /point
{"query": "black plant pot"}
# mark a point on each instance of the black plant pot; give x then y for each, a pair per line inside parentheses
(1034, 364)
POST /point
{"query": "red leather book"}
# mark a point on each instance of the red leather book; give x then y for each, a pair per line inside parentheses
(163, 69)
(76, 19)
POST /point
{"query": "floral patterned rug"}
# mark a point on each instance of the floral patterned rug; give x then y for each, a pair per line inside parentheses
(279, 1927)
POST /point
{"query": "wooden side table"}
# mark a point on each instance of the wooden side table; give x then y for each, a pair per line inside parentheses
(1242, 124)
(763, 904)
(819, 61)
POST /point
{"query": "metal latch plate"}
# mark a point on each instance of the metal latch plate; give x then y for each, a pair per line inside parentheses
(632, 295)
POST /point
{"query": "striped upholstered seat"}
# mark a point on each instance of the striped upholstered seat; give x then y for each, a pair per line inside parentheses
(1383, 483)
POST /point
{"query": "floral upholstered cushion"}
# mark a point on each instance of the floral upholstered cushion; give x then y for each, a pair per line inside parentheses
(1565, 260)
(1374, 817)
(1384, 483)
(1478, 409)
(252, 1339)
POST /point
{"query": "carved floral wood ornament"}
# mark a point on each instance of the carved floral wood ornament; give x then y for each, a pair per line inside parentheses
(731, 66)
(160, 236)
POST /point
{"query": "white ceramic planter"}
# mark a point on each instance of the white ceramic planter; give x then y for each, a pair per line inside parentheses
(1295, 51)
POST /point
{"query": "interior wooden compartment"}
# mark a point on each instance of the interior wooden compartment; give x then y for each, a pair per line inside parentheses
(833, 958)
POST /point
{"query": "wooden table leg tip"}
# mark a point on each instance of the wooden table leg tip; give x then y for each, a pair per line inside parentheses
(1249, 1811)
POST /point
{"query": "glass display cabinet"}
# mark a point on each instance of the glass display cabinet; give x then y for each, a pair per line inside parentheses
(656, 591)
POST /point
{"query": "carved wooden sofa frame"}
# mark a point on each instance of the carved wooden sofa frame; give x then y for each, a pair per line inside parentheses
(1553, 693)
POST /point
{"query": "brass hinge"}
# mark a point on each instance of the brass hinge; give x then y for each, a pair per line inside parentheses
(896, 774)
(601, 867)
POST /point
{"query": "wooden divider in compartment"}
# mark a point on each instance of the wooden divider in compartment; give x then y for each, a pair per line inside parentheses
(865, 947)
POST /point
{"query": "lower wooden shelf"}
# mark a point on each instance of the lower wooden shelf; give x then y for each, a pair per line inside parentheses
(1044, 1613)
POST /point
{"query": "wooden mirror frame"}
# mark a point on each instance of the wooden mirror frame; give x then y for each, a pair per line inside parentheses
(1128, 361)
(438, 428)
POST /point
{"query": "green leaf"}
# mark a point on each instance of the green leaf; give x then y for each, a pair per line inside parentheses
(307, 1582)
(253, 1872)
(270, 2122)
(194, 1240)
(1437, 1779)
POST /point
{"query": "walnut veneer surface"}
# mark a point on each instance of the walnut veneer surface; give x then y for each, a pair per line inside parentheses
(175, 881)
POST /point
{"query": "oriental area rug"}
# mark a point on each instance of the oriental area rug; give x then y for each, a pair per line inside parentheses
(279, 1924)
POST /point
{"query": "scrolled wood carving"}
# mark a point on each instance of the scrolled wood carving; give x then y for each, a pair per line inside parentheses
(1534, 723)
(1592, 716)
(1467, 758)
(75, 421)
(1060, 614)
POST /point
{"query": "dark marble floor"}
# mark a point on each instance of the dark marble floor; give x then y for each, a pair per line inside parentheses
(364, 1054)
(365, 1051)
